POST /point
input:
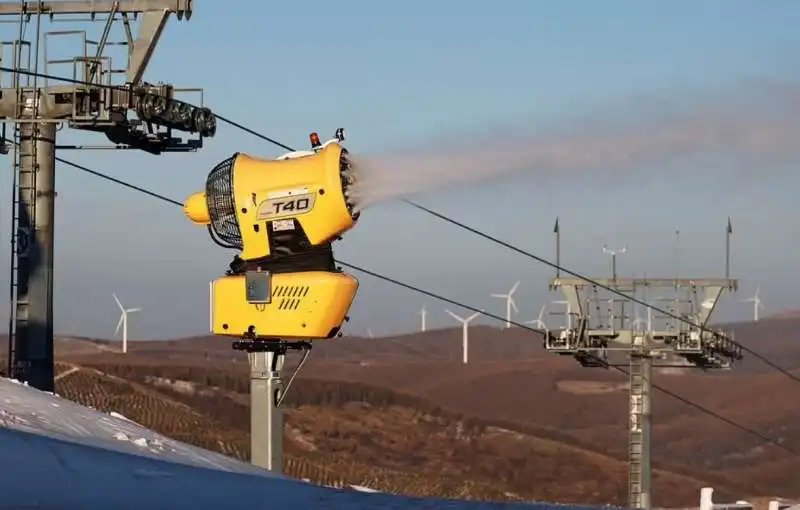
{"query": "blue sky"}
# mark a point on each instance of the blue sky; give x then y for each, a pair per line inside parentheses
(397, 74)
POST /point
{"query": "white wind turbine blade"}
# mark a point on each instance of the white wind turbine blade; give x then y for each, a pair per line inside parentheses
(541, 313)
(468, 319)
(119, 324)
(539, 324)
(131, 310)
(118, 303)
(499, 295)
(456, 317)
(513, 304)
(514, 287)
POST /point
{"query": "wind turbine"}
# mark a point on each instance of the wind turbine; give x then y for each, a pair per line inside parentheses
(538, 320)
(756, 300)
(123, 322)
(424, 315)
(509, 303)
(465, 332)
(369, 333)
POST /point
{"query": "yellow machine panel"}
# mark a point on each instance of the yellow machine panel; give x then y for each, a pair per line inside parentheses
(309, 305)
(268, 195)
(308, 188)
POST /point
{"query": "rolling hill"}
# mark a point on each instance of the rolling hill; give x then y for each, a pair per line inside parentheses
(346, 433)
(776, 338)
(568, 416)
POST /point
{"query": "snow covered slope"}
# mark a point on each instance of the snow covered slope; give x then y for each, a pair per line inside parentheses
(57, 455)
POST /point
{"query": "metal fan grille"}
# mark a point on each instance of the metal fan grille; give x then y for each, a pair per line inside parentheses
(221, 203)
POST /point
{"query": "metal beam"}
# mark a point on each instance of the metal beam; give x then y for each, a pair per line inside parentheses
(180, 7)
(51, 110)
(32, 315)
(712, 295)
(639, 428)
(266, 417)
(101, 45)
(150, 28)
(726, 283)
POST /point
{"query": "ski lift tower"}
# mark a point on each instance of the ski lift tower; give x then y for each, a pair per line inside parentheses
(603, 338)
(98, 95)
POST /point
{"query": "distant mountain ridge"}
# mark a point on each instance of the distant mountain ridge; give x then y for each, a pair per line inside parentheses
(777, 338)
